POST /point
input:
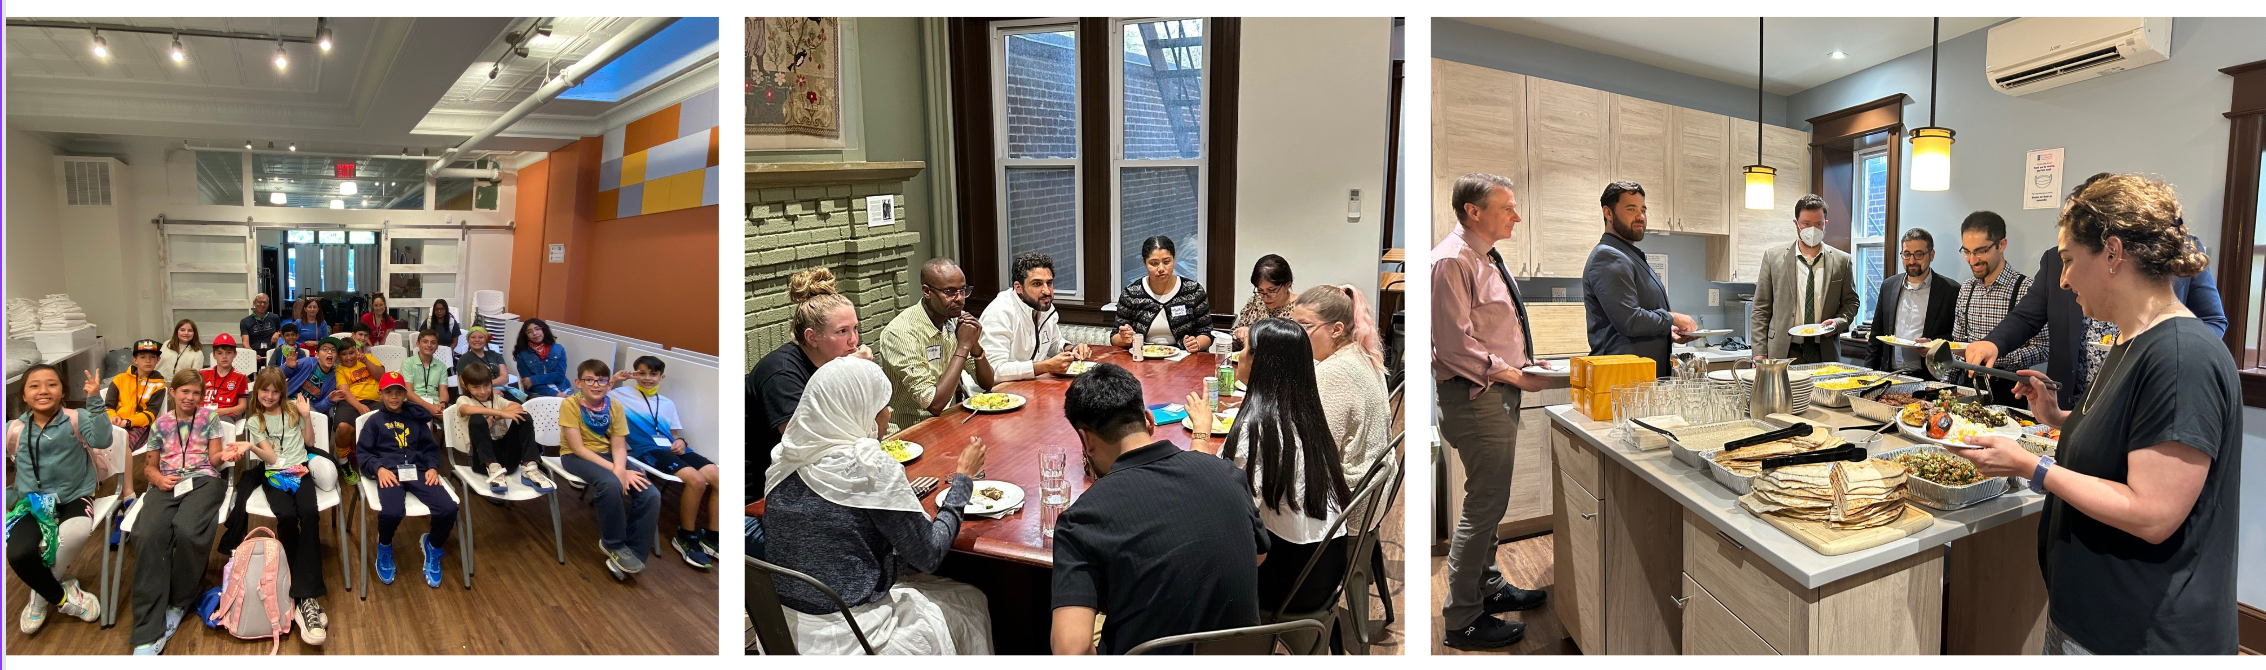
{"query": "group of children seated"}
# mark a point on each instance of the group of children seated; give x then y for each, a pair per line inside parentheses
(182, 420)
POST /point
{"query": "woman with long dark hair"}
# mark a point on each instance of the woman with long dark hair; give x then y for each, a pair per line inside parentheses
(1282, 442)
(542, 362)
(307, 314)
(1163, 307)
(380, 318)
(443, 323)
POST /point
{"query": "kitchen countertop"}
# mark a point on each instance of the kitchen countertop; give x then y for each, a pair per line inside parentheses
(1693, 489)
(1710, 354)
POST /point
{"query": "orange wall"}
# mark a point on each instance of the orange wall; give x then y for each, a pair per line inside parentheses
(527, 237)
(651, 277)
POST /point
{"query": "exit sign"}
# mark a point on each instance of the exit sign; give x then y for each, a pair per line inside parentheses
(345, 171)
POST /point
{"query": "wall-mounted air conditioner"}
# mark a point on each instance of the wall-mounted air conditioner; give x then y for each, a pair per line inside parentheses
(2032, 54)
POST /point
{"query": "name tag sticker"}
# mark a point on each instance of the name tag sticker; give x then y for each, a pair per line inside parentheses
(1179, 311)
(183, 487)
(405, 472)
(663, 441)
(935, 352)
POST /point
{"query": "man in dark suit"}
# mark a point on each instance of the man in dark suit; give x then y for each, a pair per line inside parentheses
(1916, 306)
(1628, 307)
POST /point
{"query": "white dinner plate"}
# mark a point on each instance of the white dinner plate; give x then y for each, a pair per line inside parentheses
(1807, 330)
(1218, 427)
(1152, 351)
(1920, 433)
(1019, 402)
(913, 450)
(978, 503)
(1711, 332)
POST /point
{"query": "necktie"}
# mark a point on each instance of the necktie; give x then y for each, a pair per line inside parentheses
(1810, 286)
(1526, 334)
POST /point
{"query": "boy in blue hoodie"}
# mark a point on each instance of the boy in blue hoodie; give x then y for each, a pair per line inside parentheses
(397, 449)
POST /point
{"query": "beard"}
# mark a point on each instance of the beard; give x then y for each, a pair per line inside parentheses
(1627, 231)
(1035, 304)
(1915, 271)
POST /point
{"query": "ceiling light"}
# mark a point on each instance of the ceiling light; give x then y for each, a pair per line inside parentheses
(337, 204)
(247, 144)
(520, 51)
(1838, 54)
(365, 202)
(322, 34)
(541, 33)
(1931, 145)
(347, 188)
(294, 146)
(275, 197)
(494, 69)
(101, 46)
(282, 60)
(180, 54)
(1761, 193)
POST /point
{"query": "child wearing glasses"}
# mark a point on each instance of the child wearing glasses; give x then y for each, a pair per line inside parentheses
(656, 438)
(594, 446)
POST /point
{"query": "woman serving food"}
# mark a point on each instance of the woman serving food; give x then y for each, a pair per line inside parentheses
(2137, 541)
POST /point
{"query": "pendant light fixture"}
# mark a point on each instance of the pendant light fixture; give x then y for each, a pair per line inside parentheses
(1760, 193)
(1931, 146)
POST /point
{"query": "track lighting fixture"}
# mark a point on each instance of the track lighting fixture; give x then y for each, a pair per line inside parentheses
(101, 46)
(247, 145)
(180, 54)
(322, 34)
(282, 60)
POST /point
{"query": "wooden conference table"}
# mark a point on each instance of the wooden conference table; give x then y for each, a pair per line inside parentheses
(1015, 439)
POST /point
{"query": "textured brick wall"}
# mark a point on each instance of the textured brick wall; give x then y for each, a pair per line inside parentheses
(789, 230)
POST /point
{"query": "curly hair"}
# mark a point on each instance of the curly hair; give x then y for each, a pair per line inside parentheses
(815, 297)
(2143, 212)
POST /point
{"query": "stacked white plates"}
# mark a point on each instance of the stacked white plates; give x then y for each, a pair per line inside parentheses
(1800, 385)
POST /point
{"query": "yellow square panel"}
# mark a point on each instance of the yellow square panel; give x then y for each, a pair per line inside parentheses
(633, 170)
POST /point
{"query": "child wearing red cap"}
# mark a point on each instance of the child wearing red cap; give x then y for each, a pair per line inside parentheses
(224, 386)
(396, 449)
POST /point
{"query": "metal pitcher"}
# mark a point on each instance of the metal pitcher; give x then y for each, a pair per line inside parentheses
(1772, 391)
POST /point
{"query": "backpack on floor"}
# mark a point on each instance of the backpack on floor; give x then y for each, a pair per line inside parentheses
(254, 592)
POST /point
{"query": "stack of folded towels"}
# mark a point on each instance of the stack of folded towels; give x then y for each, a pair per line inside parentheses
(23, 317)
(58, 312)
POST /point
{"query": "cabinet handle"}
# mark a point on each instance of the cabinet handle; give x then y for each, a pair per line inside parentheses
(1727, 538)
(1680, 600)
(1593, 515)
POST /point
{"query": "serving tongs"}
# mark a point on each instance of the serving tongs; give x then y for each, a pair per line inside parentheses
(1941, 363)
(1787, 433)
(1845, 452)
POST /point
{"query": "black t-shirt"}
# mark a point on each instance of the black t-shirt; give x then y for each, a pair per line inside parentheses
(1167, 543)
(774, 389)
(2109, 590)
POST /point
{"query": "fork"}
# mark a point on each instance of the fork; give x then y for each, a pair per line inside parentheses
(923, 486)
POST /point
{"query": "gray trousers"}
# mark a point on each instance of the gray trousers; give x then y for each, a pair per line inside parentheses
(1484, 432)
(1817, 350)
(172, 540)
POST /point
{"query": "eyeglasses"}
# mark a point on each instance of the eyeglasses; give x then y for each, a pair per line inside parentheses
(1308, 326)
(1971, 253)
(1916, 255)
(591, 380)
(961, 292)
(1272, 292)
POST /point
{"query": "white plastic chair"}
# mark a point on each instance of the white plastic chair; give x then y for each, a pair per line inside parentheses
(460, 441)
(487, 302)
(544, 412)
(247, 361)
(392, 339)
(410, 506)
(389, 355)
(104, 510)
(324, 500)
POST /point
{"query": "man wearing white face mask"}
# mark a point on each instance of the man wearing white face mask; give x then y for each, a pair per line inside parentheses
(1801, 284)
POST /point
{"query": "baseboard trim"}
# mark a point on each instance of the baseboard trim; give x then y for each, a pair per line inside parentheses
(2251, 632)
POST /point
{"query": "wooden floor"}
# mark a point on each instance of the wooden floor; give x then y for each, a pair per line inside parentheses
(522, 600)
(1526, 564)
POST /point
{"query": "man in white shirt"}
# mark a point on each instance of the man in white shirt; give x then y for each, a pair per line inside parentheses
(1022, 332)
(1917, 306)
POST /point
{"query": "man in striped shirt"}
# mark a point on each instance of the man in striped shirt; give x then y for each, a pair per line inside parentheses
(1985, 300)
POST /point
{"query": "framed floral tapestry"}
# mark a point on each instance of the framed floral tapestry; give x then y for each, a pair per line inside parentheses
(794, 83)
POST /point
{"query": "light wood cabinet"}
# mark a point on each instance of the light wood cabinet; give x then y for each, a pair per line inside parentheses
(1567, 134)
(1755, 231)
(1643, 144)
(1703, 173)
(1579, 564)
(1711, 630)
(1896, 608)
(1619, 552)
(1479, 125)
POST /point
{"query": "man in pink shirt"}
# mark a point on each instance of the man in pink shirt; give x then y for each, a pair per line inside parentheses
(1480, 345)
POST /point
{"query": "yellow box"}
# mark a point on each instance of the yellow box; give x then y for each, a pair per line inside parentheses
(1583, 364)
(1597, 405)
(1604, 376)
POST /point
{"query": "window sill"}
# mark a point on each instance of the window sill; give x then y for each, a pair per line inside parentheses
(2254, 387)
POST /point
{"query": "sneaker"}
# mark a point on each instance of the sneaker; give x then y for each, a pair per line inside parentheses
(385, 563)
(1487, 633)
(533, 477)
(432, 560)
(690, 550)
(350, 477)
(173, 616)
(77, 602)
(708, 538)
(313, 626)
(1513, 599)
(35, 614)
(496, 480)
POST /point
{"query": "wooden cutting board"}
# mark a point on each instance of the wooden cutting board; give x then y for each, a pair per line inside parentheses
(1827, 541)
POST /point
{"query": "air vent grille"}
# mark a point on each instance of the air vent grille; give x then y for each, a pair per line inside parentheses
(86, 183)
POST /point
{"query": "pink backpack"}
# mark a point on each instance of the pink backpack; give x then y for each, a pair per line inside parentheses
(99, 456)
(254, 592)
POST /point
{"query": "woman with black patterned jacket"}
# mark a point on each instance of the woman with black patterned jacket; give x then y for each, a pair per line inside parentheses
(1162, 307)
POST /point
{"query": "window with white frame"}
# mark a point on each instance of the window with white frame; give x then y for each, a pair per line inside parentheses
(1156, 158)
(1871, 223)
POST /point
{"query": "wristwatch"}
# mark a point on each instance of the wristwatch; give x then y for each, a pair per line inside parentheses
(2038, 476)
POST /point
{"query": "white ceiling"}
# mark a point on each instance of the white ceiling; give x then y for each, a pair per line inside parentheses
(388, 83)
(1723, 49)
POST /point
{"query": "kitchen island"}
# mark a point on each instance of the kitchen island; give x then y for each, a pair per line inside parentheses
(1655, 557)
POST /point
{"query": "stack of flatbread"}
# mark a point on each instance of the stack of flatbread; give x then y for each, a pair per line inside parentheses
(1747, 461)
(1842, 495)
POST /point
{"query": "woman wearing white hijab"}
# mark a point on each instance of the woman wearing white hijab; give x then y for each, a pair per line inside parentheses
(839, 509)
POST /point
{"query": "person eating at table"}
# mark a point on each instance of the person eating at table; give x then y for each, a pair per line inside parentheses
(1022, 331)
(1163, 307)
(2138, 540)
(839, 509)
(1270, 296)
(930, 351)
(826, 328)
(1350, 373)
(1290, 465)
(1164, 541)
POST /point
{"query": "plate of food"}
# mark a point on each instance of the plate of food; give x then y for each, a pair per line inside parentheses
(991, 496)
(1895, 341)
(993, 402)
(902, 450)
(1079, 368)
(1556, 368)
(1159, 351)
(1808, 330)
(1222, 422)
(1948, 421)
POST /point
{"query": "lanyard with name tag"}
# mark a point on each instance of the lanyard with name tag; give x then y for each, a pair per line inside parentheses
(405, 472)
(183, 487)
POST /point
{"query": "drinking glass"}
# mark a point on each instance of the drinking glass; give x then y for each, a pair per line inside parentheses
(1053, 463)
(1049, 513)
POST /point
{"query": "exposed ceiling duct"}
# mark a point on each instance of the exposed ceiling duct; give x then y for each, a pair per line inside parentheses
(569, 78)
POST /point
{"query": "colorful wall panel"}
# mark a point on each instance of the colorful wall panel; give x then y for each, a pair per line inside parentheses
(664, 162)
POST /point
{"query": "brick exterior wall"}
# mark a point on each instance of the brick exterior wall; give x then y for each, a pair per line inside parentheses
(789, 230)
